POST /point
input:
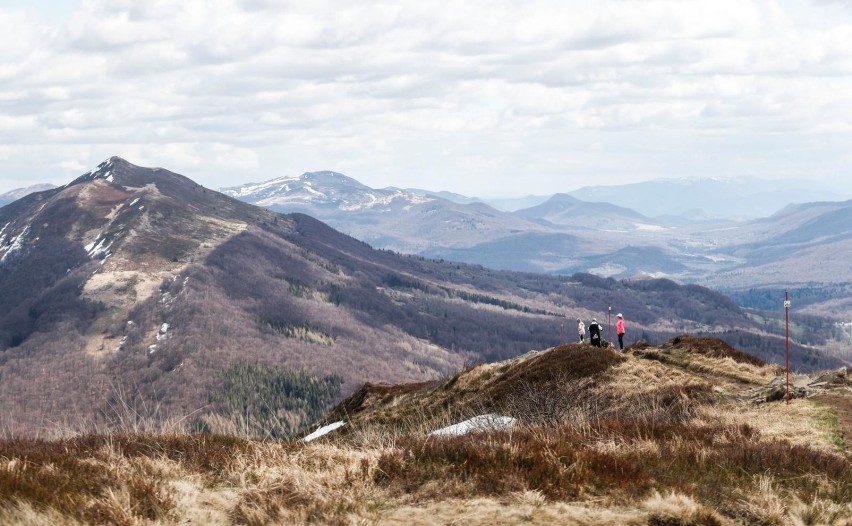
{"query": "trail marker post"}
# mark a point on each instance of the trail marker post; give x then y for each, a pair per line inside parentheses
(787, 338)
(609, 322)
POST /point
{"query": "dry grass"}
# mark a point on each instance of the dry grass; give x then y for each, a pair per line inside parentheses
(606, 439)
(724, 368)
(801, 422)
(508, 512)
(610, 475)
(675, 509)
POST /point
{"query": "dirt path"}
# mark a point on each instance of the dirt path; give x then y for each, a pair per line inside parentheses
(842, 404)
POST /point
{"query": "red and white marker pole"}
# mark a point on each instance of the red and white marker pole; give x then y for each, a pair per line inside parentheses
(787, 336)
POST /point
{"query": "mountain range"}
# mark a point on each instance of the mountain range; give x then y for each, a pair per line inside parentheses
(132, 291)
(738, 198)
(565, 234)
(687, 198)
(391, 218)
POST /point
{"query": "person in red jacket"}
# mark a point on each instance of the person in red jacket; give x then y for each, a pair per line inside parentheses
(619, 329)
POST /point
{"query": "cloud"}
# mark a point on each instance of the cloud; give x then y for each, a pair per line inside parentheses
(238, 90)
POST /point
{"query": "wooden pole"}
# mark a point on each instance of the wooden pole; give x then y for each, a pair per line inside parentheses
(609, 322)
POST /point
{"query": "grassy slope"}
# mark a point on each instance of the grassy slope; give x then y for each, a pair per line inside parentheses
(666, 435)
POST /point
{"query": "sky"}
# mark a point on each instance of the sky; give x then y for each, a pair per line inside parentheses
(488, 98)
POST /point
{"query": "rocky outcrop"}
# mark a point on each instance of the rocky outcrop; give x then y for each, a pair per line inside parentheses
(804, 386)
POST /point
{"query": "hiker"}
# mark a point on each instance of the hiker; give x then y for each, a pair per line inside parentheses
(581, 328)
(619, 329)
(595, 333)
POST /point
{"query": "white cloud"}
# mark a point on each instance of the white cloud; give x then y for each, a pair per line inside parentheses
(475, 96)
(73, 166)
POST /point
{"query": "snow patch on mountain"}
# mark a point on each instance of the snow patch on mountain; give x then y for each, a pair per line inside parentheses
(102, 171)
(98, 248)
(16, 243)
(309, 188)
(279, 184)
(386, 200)
(163, 333)
(649, 228)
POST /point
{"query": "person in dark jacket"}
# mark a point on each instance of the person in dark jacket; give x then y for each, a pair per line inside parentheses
(595, 333)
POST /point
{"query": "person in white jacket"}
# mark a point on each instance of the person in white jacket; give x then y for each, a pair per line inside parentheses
(581, 328)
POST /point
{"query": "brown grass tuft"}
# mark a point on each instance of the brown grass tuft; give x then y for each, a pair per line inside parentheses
(680, 510)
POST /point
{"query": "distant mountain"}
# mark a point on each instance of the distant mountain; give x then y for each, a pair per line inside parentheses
(567, 211)
(389, 218)
(551, 236)
(565, 234)
(449, 196)
(322, 190)
(805, 247)
(727, 198)
(522, 251)
(509, 204)
(136, 292)
(513, 204)
(14, 195)
(817, 223)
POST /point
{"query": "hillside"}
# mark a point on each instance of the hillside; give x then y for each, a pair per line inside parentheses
(567, 211)
(137, 289)
(137, 286)
(687, 433)
(788, 243)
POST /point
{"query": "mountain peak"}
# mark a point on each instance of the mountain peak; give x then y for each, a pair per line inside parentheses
(322, 190)
(105, 170)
